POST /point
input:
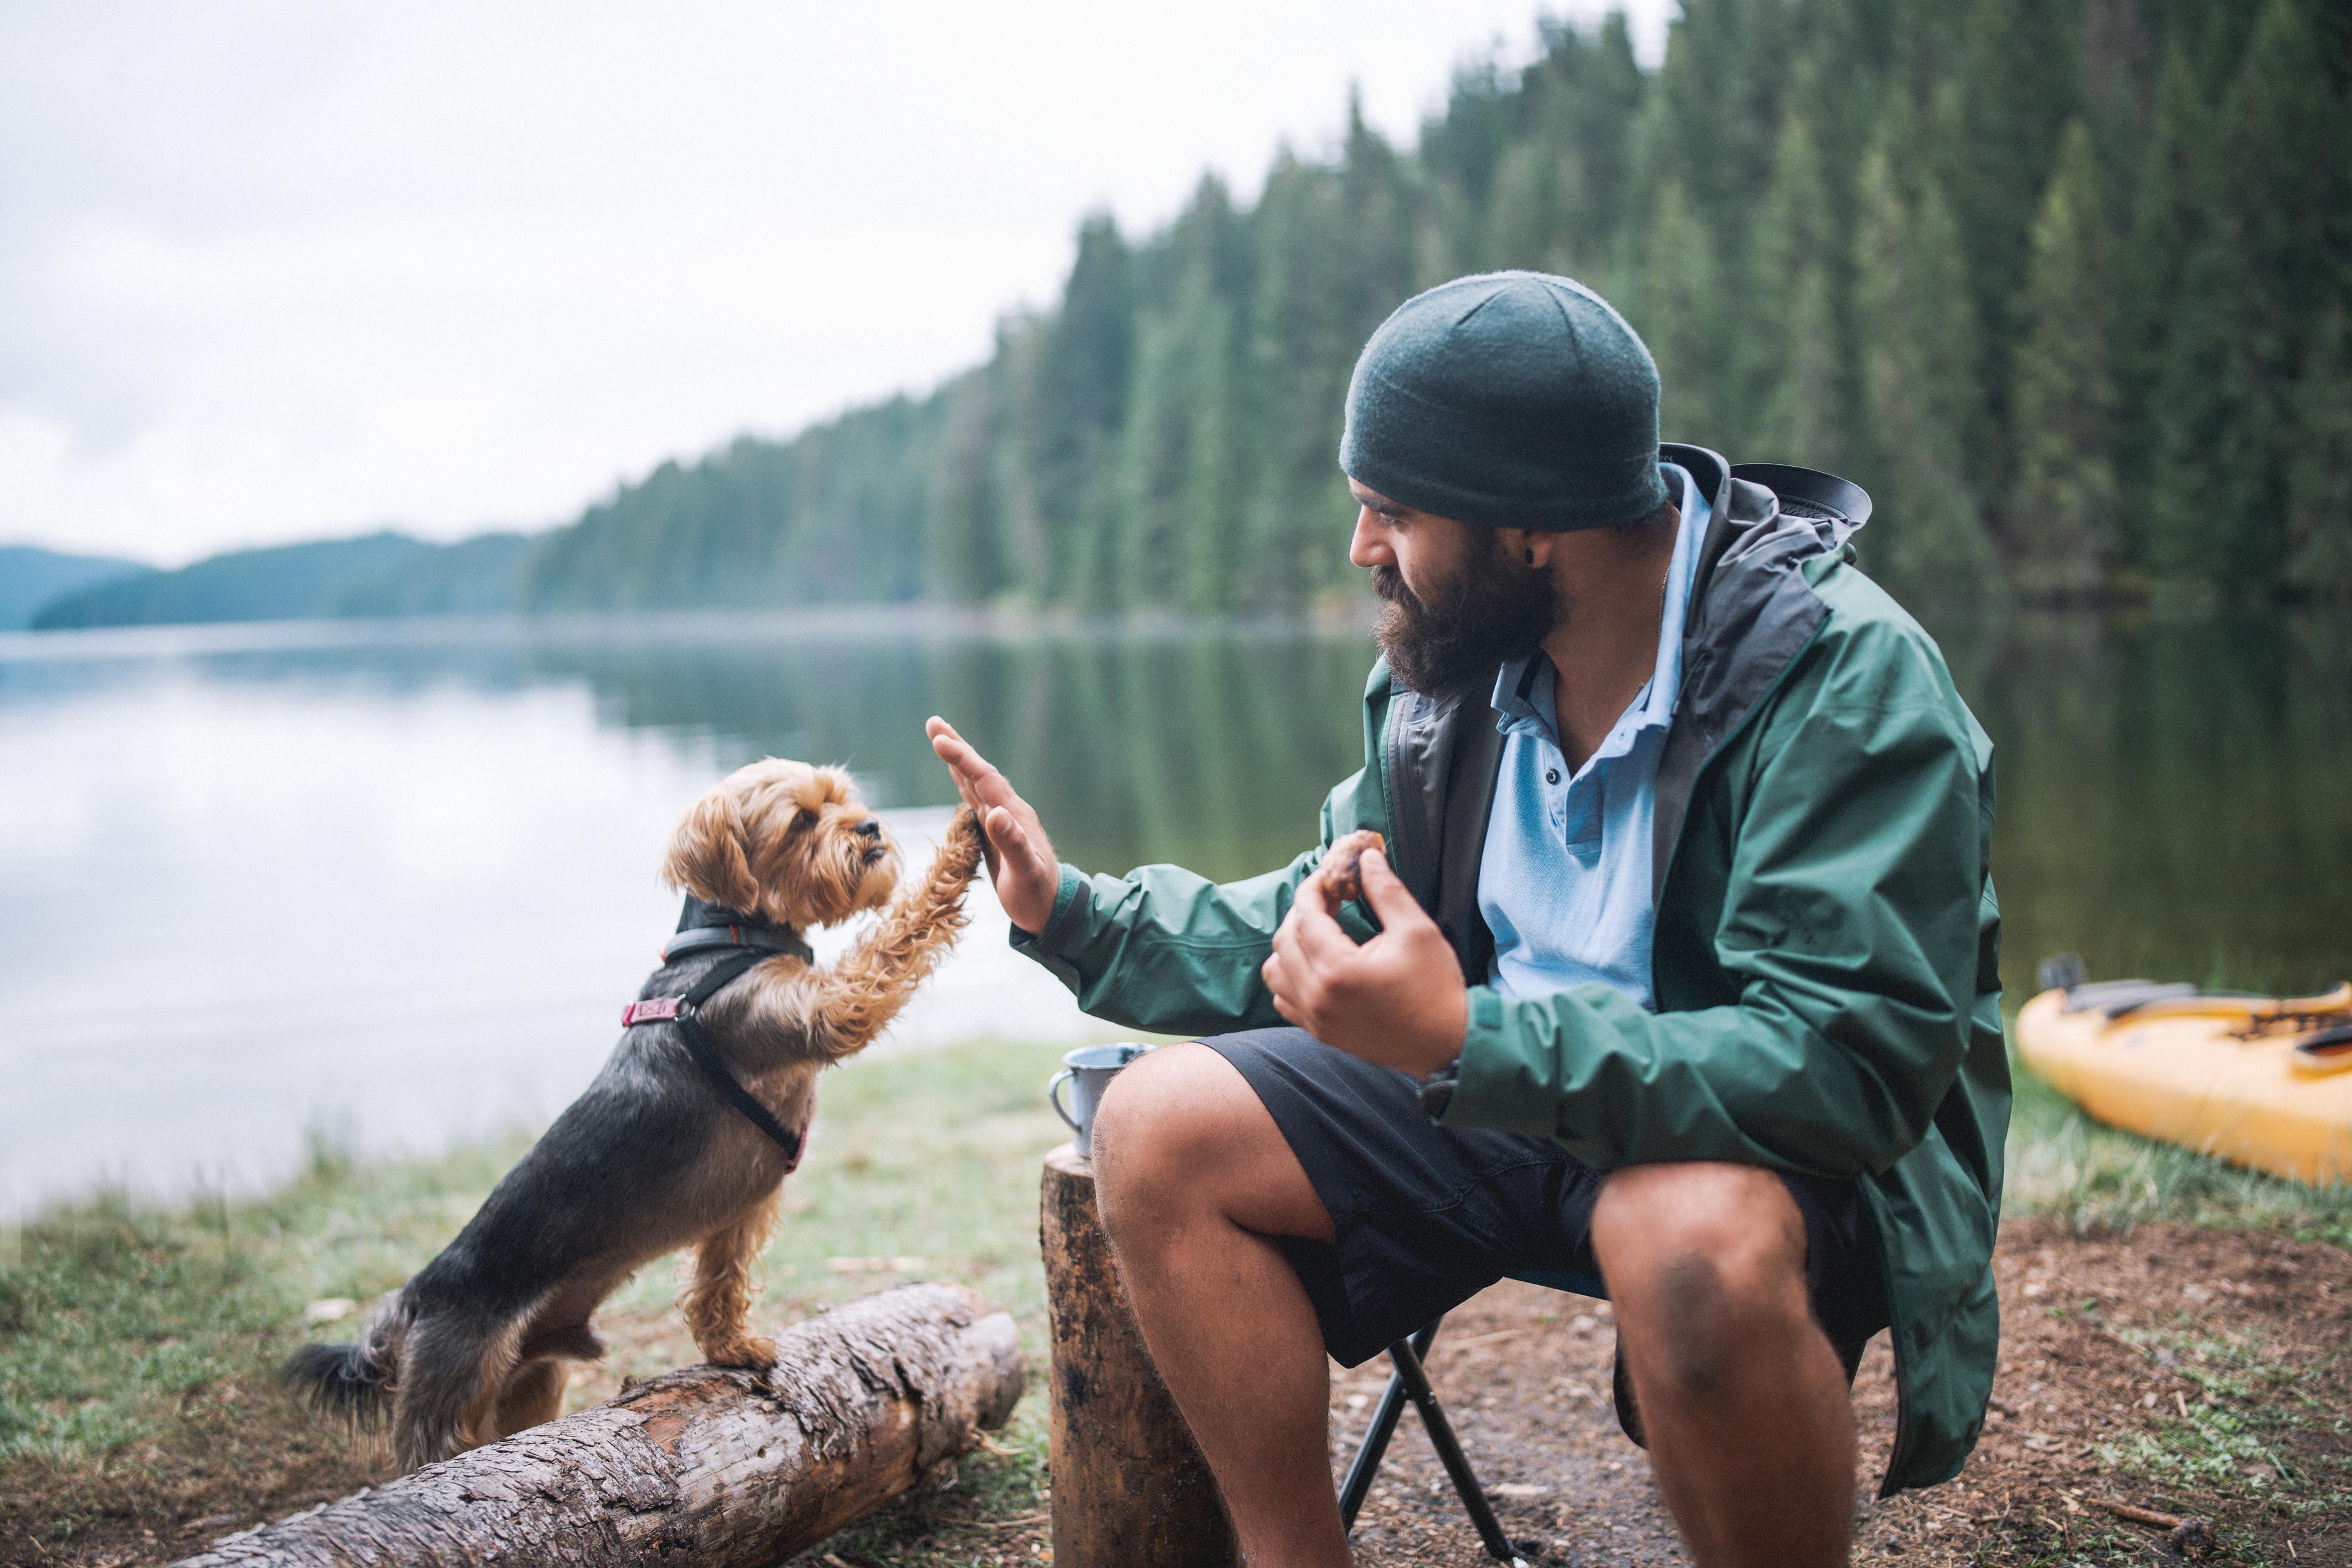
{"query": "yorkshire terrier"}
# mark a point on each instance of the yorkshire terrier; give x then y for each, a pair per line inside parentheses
(658, 1155)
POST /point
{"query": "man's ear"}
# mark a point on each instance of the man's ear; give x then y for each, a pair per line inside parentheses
(1529, 547)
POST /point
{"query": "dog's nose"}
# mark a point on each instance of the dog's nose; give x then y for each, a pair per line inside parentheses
(870, 828)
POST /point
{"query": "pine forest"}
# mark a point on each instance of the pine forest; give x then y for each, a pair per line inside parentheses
(2065, 284)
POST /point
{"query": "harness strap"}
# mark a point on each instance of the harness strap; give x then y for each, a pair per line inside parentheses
(683, 1011)
(763, 940)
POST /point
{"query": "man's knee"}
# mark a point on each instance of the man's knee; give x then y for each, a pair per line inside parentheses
(1181, 1134)
(1705, 1257)
(1157, 1118)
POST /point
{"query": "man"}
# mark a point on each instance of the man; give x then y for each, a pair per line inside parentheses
(1679, 978)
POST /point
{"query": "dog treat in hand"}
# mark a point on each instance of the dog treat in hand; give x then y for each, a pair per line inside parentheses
(1343, 869)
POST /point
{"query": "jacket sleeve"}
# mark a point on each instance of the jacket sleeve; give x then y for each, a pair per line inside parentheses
(1849, 927)
(1166, 949)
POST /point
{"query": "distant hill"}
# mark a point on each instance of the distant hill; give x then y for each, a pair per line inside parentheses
(30, 577)
(383, 573)
(475, 576)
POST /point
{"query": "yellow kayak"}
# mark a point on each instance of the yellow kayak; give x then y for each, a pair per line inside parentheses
(2264, 1081)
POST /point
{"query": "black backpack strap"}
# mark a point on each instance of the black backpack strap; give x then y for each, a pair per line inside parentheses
(697, 1046)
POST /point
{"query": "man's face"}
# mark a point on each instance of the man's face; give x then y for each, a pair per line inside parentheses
(1458, 606)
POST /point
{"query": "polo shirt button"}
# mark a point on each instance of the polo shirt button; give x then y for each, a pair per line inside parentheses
(1551, 775)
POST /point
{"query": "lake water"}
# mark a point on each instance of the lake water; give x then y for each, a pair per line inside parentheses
(390, 884)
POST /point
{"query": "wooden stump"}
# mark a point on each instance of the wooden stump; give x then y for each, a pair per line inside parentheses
(1131, 1490)
(724, 1469)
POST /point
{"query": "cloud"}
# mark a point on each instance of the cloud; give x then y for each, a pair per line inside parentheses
(271, 270)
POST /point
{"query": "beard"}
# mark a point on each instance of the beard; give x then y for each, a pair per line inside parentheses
(1490, 613)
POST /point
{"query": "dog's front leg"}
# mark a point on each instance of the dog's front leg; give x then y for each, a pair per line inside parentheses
(717, 1298)
(852, 1002)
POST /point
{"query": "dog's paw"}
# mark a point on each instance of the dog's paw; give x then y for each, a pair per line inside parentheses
(961, 850)
(753, 1352)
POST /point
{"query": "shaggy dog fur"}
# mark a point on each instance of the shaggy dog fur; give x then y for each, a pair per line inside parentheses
(649, 1158)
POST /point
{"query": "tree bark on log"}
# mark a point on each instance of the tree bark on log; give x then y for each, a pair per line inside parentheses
(719, 1468)
(1130, 1488)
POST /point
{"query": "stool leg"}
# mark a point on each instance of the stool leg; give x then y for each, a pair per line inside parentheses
(1375, 1446)
(1449, 1450)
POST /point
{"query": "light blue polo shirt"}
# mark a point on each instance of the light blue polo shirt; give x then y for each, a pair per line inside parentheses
(1565, 881)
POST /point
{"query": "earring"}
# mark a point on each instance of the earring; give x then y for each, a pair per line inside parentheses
(1531, 555)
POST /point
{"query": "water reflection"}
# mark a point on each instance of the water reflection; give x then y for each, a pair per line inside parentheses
(2175, 799)
(1212, 749)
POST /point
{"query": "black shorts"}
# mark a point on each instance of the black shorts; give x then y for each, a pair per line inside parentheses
(1426, 1216)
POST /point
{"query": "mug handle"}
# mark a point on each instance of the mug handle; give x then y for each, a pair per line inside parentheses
(1054, 1097)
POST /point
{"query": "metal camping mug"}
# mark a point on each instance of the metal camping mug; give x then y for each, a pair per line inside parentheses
(1088, 1071)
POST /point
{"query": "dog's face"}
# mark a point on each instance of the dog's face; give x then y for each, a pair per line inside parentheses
(787, 841)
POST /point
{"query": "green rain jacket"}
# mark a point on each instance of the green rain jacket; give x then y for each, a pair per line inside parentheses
(1825, 961)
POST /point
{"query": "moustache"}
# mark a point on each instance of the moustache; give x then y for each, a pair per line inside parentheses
(1388, 583)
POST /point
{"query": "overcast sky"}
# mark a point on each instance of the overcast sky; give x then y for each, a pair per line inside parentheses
(272, 271)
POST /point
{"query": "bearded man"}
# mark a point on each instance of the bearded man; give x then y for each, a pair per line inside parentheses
(1679, 980)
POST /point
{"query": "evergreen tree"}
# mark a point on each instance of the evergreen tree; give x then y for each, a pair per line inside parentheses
(2061, 520)
(1796, 375)
(2168, 226)
(966, 507)
(1375, 205)
(1211, 518)
(1081, 393)
(1529, 219)
(2015, 89)
(1149, 501)
(1676, 312)
(1302, 347)
(2279, 124)
(2198, 407)
(1561, 186)
(1704, 130)
(2261, 272)
(1174, 502)
(2118, 71)
(1013, 375)
(1604, 103)
(1926, 538)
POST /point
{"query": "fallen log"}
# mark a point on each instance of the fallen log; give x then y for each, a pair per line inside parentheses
(726, 1468)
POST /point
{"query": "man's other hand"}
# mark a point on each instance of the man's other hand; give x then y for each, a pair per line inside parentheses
(1021, 861)
(1397, 1000)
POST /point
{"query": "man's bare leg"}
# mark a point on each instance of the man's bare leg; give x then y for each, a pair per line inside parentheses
(1194, 1181)
(1743, 1400)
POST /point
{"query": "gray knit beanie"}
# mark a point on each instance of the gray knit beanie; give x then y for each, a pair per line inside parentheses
(1513, 399)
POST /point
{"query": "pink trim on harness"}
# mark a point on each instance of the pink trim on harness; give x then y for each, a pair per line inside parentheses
(649, 1011)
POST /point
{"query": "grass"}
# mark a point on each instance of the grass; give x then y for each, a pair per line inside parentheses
(2063, 1163)
(134, 1341)
(2254, 1440)
(113, 1315)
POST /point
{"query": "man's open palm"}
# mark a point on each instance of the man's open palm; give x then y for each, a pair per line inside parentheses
(1020, 859)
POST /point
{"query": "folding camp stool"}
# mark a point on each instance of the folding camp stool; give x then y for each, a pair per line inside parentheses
(1408, 1379)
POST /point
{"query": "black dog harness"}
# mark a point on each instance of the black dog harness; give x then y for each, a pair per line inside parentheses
(751, 940)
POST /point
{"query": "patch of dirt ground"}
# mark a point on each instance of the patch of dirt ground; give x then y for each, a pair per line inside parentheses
(2182, 1370)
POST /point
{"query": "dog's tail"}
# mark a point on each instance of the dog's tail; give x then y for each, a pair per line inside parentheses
(355, 1381)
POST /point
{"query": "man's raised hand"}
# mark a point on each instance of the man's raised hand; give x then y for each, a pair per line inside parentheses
(1397, 1000)
(1021, 861)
